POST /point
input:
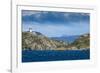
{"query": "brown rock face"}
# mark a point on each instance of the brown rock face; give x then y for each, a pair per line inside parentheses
(37, 41)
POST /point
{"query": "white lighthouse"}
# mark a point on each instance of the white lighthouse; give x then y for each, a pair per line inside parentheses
(30, 30)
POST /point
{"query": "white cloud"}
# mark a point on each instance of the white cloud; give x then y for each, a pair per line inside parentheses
(29, 12)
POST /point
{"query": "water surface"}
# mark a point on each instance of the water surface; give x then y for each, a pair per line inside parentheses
(54, 55)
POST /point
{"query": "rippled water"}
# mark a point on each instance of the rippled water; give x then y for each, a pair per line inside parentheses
(51, 55)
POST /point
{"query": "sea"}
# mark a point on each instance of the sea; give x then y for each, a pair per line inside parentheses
(54, 55)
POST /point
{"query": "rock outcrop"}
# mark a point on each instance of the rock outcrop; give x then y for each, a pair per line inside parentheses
(37, 41)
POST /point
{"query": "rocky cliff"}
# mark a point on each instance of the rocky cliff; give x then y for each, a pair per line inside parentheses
(83, 42)
(37, 41)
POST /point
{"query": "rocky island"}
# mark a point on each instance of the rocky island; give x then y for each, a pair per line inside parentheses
(37, 41)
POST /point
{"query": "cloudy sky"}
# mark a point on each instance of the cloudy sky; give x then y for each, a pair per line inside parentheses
(56, 24)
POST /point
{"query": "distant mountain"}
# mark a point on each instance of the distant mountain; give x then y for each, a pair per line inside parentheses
(37, 41)
(68, 39)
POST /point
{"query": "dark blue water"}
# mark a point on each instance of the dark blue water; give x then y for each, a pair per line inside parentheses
(51, 55)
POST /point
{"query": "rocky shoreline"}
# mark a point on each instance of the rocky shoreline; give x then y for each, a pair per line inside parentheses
(37, 41)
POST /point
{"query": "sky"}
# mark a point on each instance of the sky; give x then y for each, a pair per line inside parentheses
(56, 24)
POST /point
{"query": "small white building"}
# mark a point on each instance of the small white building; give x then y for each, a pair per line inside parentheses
(30, 30)
(33, 32)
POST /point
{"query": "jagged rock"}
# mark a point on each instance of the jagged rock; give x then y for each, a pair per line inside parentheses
(37, 41)
(83, 42)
